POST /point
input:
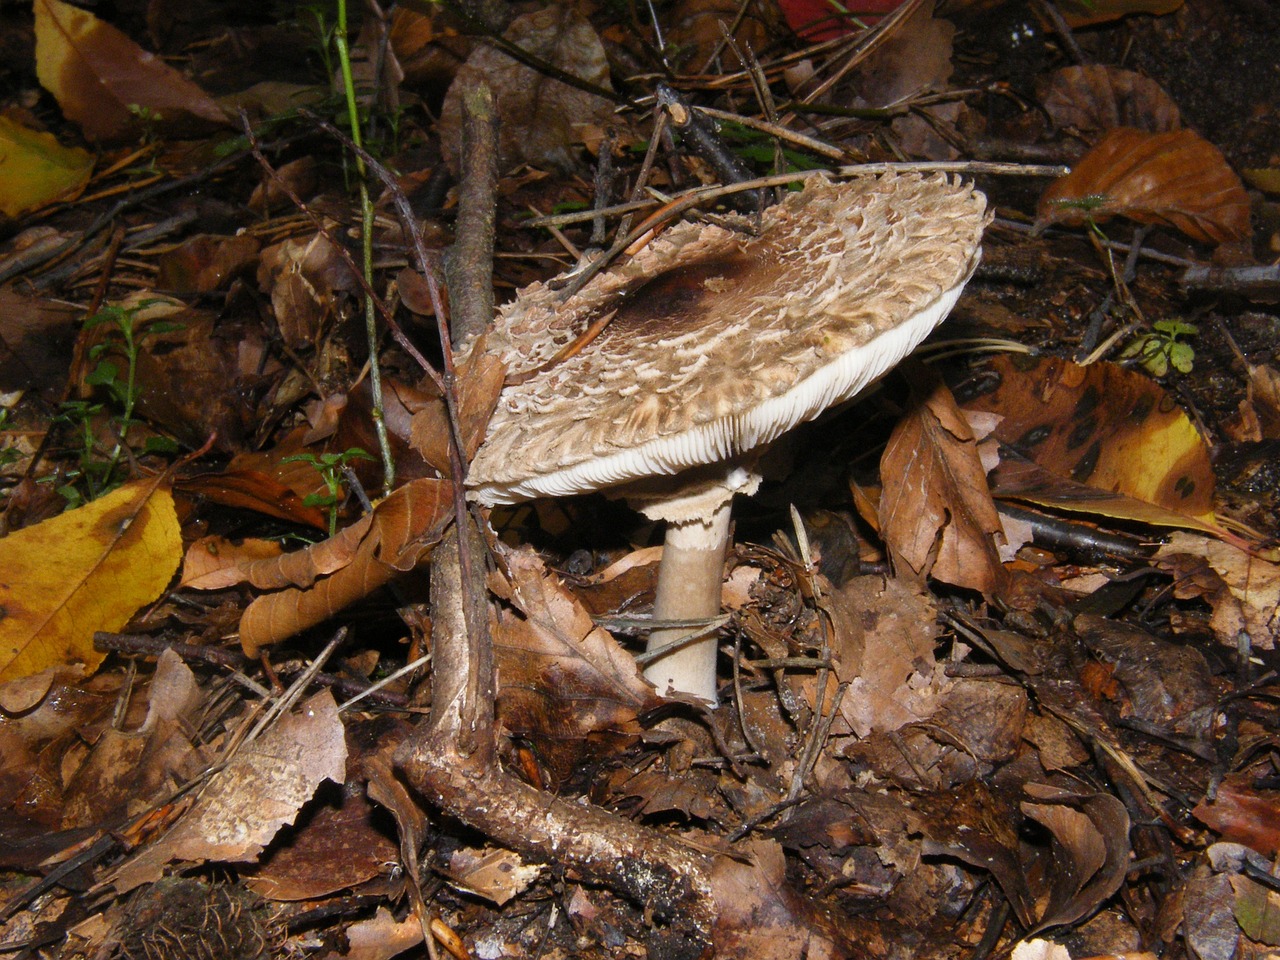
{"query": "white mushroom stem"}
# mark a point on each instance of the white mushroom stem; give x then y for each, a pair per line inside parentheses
(695, 506)
(689, 588)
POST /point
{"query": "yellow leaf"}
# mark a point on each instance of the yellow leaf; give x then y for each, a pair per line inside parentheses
(89, 569)
(37, 169)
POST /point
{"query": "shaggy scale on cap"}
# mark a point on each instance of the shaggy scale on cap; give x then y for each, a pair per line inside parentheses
(724, 340)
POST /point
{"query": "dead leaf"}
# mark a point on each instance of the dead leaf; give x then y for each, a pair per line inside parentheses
(890, 668)
(108, 84)
(252, 490)
(563, 682)
(37, 335)
(496, 874)
(205, 263)
(1092, 99)
(1089, 850)
(258, 792)
(759, 916)
(540, 119)
(1245, 812)
(1098, 439)
(38, 170)
(936, 514)
(1243, 590)
(1083, 13)
(317, 582)
(479, 381)
(127, 769)
(1177, 178)
(335, 847)
(86, 570)
(379, 938)
(304, 276)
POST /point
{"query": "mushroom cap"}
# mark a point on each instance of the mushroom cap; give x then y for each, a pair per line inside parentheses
(724, 340)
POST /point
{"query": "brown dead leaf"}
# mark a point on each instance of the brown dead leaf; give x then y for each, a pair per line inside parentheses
(128, 769)
(1243, 590)
(759, 916)
(890, 668)
(564, 683)
(1177, 178)
(1093, 99)
(336, 846)
(379, 938)
(1244, 812)
(1098, 439)
(204, 263)
(479, 381)
(1089, 850)
(317, 582)
(107, 83)
(303, 277)
(936, 513)
(252, 490)
(541, 120)
(88, 569)
(251, 798)
(1083, 13)
(36, 338)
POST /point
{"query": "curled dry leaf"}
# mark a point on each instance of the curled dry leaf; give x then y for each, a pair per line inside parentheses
(315, 583)
(936, 513)
(1177, 178)
(1093, 99)
(1243, 590)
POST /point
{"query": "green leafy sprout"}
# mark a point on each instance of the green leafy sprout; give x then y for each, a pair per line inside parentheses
(93, 475)
(330, 467)
(1159, 349)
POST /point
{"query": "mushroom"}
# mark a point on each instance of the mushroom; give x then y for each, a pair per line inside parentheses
(717, 342)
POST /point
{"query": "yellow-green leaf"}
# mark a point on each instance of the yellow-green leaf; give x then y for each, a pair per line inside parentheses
(37, 169)
(86, 570)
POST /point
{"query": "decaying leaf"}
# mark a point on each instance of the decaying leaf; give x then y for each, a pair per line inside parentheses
(107, 83)
(88, 569)
(1243, 590)
(479, 381)
(304, 276)
(563, 681)
(1098, 439)
(251, 798)
(1244, 812)
(1177, 178)
(540, 119)
(315, 583)
(936, 513)
(1083, 13)
(37, 169)
(1092, 99)
(1089, 850)
(338, 846)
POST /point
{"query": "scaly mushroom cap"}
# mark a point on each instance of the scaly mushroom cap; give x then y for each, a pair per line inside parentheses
(723, 340)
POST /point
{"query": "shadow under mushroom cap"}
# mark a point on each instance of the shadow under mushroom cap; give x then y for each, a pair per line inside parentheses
(723, 340)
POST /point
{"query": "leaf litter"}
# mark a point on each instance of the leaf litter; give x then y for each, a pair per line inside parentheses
(1004, 681)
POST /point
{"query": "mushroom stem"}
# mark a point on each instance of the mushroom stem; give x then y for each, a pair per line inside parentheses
(690, 580)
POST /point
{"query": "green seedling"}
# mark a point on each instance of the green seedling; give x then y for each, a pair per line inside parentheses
(1161, 349)
(123, 340)
(330, 467)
